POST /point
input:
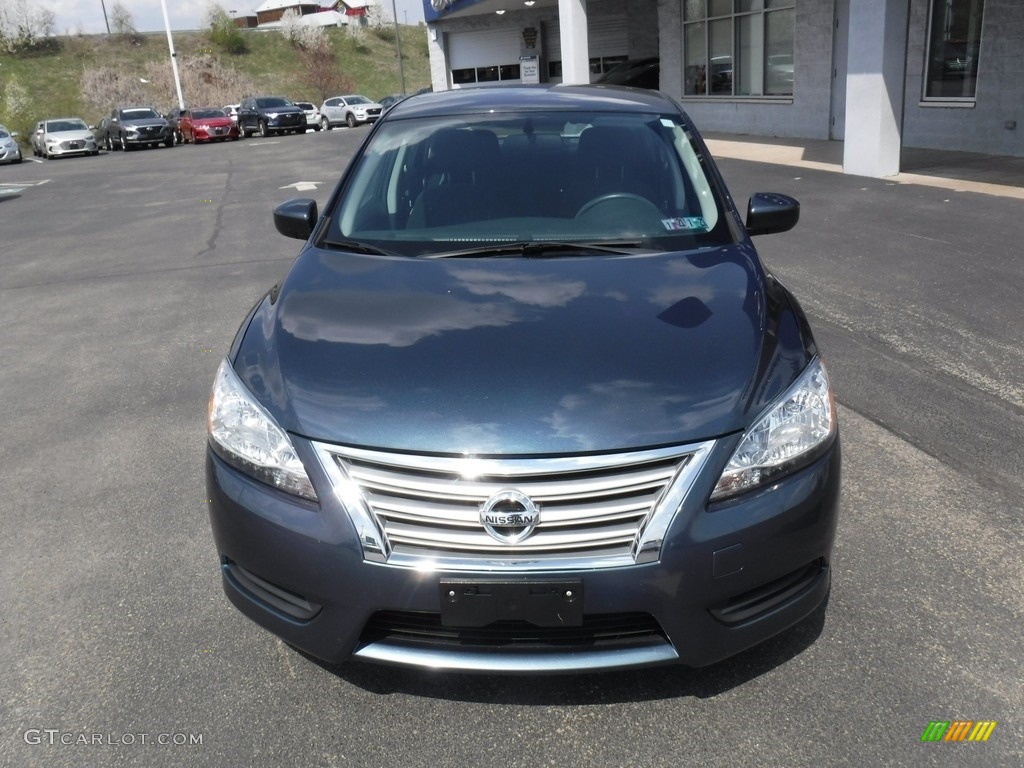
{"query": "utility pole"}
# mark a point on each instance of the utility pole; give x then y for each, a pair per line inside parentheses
(105, 19)
(398, 43)
(174, 56)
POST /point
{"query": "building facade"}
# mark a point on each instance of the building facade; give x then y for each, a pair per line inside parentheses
(877, 74)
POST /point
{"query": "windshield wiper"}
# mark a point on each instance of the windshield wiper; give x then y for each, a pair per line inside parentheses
(357, 247)
(540, 249)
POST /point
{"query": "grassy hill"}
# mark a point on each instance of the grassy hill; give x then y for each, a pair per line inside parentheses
(86, 75)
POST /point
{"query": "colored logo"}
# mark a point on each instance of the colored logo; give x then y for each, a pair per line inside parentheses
(958, 730)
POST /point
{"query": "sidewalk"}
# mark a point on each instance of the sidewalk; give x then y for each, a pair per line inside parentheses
(958, 171)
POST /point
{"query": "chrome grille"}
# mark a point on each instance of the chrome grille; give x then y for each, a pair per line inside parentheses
(595, 511)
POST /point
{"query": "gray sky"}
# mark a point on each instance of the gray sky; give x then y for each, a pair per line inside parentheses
(87, 15)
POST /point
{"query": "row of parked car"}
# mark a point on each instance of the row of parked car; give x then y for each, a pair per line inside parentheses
(126, 128)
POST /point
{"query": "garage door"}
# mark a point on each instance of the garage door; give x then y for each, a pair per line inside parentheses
(485, 56)
(608, 40)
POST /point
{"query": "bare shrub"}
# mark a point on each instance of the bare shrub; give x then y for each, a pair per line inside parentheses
(321, 72)
(204, 82)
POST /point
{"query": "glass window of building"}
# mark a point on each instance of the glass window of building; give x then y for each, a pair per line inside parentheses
(738, 47)
(954, 44)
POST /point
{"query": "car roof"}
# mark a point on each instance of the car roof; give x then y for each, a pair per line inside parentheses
(584, 98)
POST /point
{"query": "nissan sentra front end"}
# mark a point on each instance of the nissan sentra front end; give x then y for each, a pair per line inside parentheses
(494, 426)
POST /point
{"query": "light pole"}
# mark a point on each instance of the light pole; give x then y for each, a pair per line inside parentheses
(174, 56)
(105, 19)
(398, 43)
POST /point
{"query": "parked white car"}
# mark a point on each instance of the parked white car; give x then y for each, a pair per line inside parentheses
(63, 136)
(312, 114)
(348, 110)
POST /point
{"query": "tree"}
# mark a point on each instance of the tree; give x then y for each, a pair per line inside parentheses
(122, 23)
(24, 26)
(223, 31)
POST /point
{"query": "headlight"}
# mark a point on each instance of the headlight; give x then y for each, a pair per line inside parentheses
(247, 437)
(791, 434)
(272, 115)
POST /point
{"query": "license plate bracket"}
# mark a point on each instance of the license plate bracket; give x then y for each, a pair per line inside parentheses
(469, 603)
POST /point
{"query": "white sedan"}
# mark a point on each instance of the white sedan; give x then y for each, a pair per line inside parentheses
(64, 136)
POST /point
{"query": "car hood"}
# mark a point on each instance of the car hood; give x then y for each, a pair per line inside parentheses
(70, 135)
(222, 122)
(522, 356)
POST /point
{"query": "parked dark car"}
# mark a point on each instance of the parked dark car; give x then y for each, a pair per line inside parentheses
(526, 401)
(636, 73)
(173, 118)
(267, 115)
(130, 127)
(387, 102)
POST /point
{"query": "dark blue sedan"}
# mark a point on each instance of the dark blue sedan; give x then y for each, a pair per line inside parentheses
(526, 401)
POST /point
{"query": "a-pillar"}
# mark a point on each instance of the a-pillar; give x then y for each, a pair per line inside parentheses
(875, 86)
(572, 21)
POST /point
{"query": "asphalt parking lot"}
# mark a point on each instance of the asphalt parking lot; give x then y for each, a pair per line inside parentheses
(122, 281)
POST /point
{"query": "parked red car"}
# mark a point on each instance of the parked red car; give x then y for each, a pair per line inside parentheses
(207, 124)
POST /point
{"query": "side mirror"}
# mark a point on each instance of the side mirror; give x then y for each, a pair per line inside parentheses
(296, 218)
(769, 212)
(14, 134)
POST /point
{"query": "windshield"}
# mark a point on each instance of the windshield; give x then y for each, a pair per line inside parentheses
(3, 133)
(138, 114)
(450, 184)
(200, 114)
(56, 126)
(350, 100)
(268, 103)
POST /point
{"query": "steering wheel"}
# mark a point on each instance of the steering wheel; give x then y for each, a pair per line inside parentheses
(620, 202)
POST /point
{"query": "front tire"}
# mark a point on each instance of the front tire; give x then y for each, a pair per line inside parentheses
(264, 131)
(350, 120)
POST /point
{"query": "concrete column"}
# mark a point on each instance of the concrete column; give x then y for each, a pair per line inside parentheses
(572, 20)
(875, 86)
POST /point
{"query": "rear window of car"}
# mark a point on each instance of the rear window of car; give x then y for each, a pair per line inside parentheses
(433, 185)
(304, 105)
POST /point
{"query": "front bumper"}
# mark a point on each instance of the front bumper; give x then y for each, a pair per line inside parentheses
(160, 136)
(728, 578)
(218, 133)
(73, 148)
(10, 154)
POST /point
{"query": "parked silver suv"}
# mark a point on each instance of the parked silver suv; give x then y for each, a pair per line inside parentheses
(348, 110)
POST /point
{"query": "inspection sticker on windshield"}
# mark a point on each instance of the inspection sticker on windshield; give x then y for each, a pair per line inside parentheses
(688, 223)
